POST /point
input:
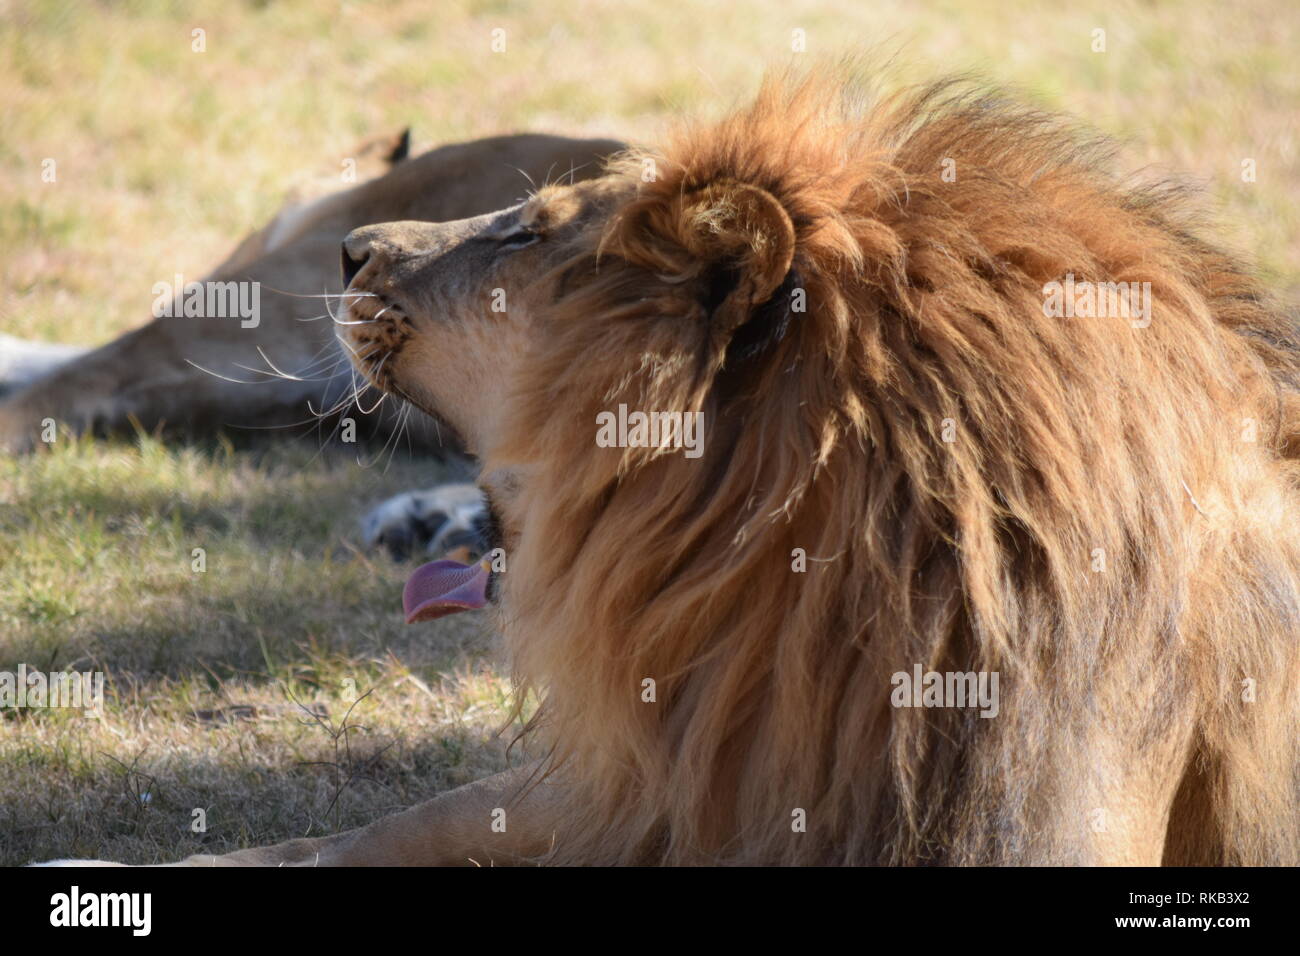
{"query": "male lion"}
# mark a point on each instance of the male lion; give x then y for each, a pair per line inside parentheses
(909, 465)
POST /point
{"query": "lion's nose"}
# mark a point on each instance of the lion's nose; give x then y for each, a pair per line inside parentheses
(356, 251)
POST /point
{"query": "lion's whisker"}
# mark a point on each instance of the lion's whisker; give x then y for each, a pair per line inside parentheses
(320, 295)
(227, 378)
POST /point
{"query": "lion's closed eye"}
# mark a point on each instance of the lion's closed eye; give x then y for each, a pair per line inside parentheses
(519, 240)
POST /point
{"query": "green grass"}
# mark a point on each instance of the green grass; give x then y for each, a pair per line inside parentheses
(215, 679)
(165, 157)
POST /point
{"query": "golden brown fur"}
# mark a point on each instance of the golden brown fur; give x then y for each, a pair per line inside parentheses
(1125, 733)
(925, 303)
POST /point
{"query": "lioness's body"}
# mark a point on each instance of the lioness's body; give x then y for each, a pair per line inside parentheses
(177, 371)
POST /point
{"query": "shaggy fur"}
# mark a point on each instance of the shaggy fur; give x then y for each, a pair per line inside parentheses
(1122, 689)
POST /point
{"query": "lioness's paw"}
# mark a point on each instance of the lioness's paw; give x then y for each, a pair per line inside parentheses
(435, 521)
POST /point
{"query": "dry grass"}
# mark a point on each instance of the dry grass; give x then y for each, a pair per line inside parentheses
(165, 156)
(227, 689)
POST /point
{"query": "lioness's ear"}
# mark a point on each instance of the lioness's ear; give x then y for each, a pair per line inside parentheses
(400, 147)
(745, 240)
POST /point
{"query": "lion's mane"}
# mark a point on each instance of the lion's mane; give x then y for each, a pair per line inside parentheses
(1070, 438)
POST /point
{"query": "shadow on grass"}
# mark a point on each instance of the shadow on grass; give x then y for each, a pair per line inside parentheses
(273, 495)
(149, 561)
(145, 814)
(286, 608)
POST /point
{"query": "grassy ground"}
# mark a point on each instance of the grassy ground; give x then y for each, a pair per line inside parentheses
(229, 689)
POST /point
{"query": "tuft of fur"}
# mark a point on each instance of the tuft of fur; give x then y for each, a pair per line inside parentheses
(1123, 735)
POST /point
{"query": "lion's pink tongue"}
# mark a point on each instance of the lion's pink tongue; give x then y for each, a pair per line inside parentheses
(444, 587)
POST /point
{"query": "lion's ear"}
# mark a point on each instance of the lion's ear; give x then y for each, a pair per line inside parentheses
(746, 241)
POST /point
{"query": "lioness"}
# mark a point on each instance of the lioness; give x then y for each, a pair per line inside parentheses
(196, 374)
(913, 467)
